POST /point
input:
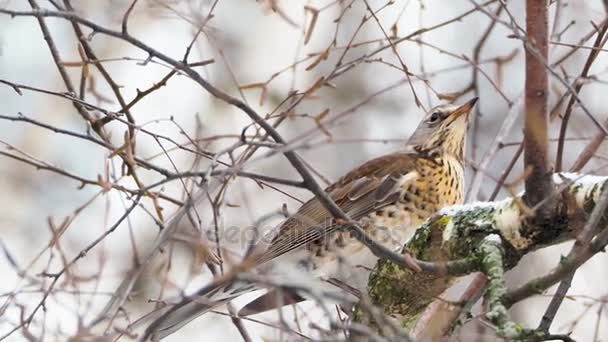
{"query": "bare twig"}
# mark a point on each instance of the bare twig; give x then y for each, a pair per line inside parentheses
(599, 42)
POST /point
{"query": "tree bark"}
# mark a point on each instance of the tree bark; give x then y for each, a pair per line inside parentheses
(459, 232)
(538, 183)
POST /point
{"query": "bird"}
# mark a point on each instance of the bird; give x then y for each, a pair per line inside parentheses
(388, 196)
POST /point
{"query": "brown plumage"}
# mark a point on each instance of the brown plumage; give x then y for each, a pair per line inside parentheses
(389, 196)
(367, 188)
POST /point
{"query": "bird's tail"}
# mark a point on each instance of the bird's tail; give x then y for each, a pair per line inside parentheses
(204, 300)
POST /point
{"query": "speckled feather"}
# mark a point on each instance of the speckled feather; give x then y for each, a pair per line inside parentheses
(366, 189)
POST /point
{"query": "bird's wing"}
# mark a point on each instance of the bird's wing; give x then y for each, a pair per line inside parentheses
(367, 188)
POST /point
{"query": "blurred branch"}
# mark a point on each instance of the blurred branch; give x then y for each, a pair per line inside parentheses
(508, 122)
(581, 243)
(600, 40)
(307, 177)
(518, 33)
(92, 57)
(56, 276)
(562, 271)
(438, 319)
(505, 173)
(82, 110)
(579, 45)
(58, 62)
(451, 267)
(589, 150)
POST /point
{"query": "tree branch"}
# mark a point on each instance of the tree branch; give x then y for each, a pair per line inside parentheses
(462, 231)
(538, 184)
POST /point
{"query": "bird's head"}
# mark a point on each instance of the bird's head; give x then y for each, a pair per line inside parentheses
(443, 130)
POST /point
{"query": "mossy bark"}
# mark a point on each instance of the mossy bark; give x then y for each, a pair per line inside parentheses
(403, 293)
(463, 232)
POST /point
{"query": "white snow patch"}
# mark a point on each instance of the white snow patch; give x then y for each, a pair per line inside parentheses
(493, 238)
(455, 209)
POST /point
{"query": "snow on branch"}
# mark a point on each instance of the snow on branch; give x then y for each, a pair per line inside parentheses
(493, 236)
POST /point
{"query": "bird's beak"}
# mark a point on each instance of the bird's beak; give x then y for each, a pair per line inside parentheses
(464, 109)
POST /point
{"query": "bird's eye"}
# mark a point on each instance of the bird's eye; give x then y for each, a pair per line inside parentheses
(434, 117)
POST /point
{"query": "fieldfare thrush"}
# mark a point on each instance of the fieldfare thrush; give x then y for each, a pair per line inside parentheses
(389, 196)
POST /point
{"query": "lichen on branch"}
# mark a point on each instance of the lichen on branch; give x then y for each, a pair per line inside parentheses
(492, 235)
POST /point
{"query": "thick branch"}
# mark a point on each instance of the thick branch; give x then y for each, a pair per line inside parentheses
(538, 184)
(461, 232)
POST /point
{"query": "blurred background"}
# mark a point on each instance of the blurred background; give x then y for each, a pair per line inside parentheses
(260, 52)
